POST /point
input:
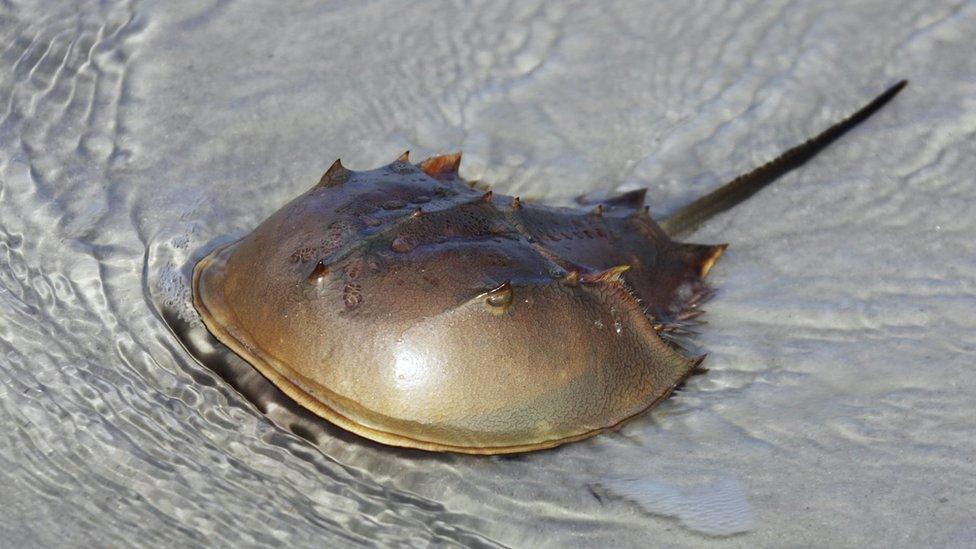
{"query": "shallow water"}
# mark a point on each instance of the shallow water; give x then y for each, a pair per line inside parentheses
(134, 136)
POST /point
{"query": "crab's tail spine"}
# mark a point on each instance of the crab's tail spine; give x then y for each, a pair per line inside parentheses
(744, 186)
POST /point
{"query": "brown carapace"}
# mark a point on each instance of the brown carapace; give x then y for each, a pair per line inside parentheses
(404, 305)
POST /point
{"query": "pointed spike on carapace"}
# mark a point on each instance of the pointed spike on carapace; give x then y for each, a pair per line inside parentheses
(443, 166)
(515, 204)
(630, 199)
(419, 212)
(701, 257)
(613, 274)
(697, 369)
(405, 157)
(337, 174)
(571, 278)
(709, 262)
(319, 273)
(597, 211)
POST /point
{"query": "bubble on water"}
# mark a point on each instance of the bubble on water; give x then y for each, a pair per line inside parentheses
(175, 293)
(718, 508)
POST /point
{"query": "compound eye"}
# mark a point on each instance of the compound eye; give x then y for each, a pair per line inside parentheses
(498, 299)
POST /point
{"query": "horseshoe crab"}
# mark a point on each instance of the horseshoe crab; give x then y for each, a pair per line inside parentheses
(408, 307)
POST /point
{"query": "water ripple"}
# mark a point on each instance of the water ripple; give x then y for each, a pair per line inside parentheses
(135, 136)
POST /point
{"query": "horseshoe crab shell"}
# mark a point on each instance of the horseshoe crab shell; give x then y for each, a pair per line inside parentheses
(407, 307)
(403, 305)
